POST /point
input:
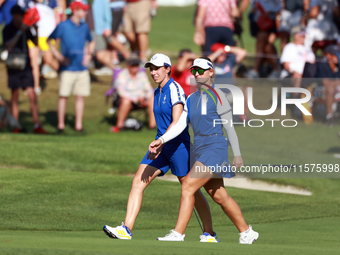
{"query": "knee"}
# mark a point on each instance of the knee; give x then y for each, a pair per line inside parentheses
(125, 102)
(137, 184)
(221, 199)
(187, 189)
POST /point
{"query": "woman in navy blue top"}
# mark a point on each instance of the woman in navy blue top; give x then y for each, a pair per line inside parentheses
(169, 101)
(210, 152)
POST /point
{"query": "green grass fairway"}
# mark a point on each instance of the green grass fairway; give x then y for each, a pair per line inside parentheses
(316, 236)
(61, 212)
(58, 191)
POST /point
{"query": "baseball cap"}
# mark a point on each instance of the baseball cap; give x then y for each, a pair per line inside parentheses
(158, 59)
(202, 63)
(16, 9)
(217, 46)
(79, 4)
(300, 30)
(332, 49)
(133, 60)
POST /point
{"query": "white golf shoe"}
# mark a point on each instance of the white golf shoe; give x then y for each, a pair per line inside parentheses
(249, 236)
(119, 232)
(207, 238)
(173, 236)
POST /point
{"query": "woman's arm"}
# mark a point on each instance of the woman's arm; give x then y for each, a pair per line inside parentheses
(232, 137)
(171, 133)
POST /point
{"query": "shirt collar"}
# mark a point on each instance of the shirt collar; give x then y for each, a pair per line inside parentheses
(166, 86)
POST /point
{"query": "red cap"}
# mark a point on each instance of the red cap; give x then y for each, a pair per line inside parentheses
(78, 4)
(217, 46)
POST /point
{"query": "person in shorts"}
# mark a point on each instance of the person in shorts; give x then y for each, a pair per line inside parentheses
(103, 35)
(328, 74)
(15, 36)
(214, 23)
(74, 58)
(169, 101)
(210, 149)
(134, 92)
(294, 57)
(137, 24)
(265, 35)
(49, 15)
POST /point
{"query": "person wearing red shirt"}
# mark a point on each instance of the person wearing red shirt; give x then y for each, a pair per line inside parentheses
(182, 74)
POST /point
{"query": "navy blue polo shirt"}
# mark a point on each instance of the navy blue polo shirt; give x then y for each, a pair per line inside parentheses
(323, 70)
(166, 98)
(72, 40)
(224, 71)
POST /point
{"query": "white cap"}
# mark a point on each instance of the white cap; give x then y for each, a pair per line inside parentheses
(158, 59)
(202, 63)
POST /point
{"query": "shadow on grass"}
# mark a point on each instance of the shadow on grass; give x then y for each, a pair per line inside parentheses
(48, 118)
(334, 150)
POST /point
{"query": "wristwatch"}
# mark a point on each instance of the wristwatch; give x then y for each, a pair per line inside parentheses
(227, 48)
(304, 13)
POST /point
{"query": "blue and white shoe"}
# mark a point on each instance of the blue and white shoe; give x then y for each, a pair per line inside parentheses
(207, 238)
(119, 232)
(249, 236)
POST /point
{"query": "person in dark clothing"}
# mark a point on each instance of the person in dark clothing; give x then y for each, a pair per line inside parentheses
(15, 36)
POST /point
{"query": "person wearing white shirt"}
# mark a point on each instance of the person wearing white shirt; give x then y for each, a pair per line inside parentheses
(295, 55)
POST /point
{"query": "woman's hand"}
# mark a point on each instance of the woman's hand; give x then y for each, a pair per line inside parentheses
(238, 161)
(155, 149)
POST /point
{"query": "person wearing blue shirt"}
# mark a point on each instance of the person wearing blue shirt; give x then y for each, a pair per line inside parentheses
(5, 11)
(328, 74)
(225, 58)
(103, 36)
(169, 101)
(74, 59)
(30, 3)
(210, 151)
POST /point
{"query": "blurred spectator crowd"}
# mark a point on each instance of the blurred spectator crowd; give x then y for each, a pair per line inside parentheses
(52, 38)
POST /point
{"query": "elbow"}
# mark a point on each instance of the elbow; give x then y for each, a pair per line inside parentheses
(242, 56)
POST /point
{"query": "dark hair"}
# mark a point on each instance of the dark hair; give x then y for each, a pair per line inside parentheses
(169, 74)
(183, 51)
(16, 9)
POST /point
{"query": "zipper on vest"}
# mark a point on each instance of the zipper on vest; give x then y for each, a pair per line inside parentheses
(160, 95)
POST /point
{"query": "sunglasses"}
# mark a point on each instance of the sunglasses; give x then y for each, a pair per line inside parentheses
(199, 71)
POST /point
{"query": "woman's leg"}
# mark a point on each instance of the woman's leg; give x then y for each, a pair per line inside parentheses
(261, 41)
(145, 174)
(203, 209)
(34, 58)
(124, 109)
(216, 190)
(190, 186)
